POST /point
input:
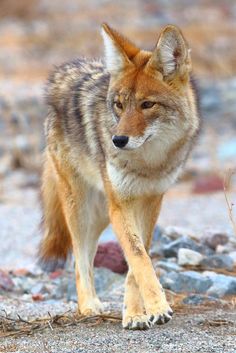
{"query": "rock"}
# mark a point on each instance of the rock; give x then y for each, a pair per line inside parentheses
(39, 288)
(56, 274)
(189, 257)
(188, 281)
(232, 254)
(207, 183)
(172, 248)
(213, 239)
(37, 297)
(158, 245)
(222, 285)
(168, 266)
(105, 281)
(175, 232)
(110, 255)
(6, 282)
(21, 272)
(158, 232)
(196, 299)
(218, 261)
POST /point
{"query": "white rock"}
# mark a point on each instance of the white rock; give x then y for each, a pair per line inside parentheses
(232, 254)
(189, 257)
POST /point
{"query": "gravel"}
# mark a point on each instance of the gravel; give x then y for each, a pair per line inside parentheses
(188, 329)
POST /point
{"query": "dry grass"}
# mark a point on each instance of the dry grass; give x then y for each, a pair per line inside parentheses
(16, 327)
(227, 181)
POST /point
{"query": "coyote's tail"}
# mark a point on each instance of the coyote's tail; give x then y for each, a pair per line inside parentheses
(56, 242)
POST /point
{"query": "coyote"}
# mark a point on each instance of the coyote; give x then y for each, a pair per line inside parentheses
(118, 134)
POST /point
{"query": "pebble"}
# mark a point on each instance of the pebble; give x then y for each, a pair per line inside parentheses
(6, 282)
(158, 246)
(39, 288)
(218, 261)
(176, 232)
(189, 257)
(221, 284)
(213, 239)
(196, 299)
(232, 254)
(172, 248)
(208, 183)
(168, 266)
(188, 281)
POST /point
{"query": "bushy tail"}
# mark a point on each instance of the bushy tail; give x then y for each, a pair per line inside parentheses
(56, 242)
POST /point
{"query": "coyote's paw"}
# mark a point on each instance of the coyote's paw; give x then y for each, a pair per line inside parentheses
(161, 317)
(137, 322)
(92, 307)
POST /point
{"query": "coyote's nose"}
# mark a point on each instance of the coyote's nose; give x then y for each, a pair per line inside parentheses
(120, 141)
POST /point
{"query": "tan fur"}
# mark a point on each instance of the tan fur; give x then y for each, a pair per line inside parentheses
(87, 182)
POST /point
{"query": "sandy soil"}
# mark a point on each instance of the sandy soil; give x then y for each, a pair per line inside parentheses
(211, 331)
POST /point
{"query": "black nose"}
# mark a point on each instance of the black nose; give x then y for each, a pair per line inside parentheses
(120, 141)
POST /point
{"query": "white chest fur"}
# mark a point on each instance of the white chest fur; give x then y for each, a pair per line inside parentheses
(131, 183)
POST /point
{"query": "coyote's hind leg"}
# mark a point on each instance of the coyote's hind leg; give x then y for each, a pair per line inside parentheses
(86, 216)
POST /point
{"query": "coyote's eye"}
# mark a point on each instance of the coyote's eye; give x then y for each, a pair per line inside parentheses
(118, 105)
(147, 104)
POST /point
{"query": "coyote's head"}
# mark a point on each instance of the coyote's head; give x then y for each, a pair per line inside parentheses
(149, 94)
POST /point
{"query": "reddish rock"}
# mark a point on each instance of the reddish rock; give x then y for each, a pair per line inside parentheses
(21, 272)
(110, 255)
(55, 274)
(208, 183)
(6, 282)
(37, 297)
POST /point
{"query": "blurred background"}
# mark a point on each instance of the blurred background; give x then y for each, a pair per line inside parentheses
(35, 35)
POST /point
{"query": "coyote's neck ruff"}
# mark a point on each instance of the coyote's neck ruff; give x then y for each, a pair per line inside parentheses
(118, 135)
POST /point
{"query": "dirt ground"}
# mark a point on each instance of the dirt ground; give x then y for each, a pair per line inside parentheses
(35, 36)
(195, 330)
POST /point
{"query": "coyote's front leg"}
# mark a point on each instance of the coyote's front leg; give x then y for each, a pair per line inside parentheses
(145, 301)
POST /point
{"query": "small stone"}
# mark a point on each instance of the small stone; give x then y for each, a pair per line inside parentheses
(196, 299)
(232, 254)
(37, 297)
(222, 284)
(172, 248)
(39, 288)
(213, 239)
(158, 232)
(188, 281)
(21, 272)
(168, 266)
(218, 261)
(6, 282)
(208, 183)
(56, 274)
(189, 257)
(175, 232)
(158, 245)
(106, 280)
(110, 255)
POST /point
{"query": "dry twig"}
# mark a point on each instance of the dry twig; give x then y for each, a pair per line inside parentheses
(10, 326)
(230, 205)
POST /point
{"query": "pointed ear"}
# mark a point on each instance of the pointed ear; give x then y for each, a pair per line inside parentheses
(171, 55)
(119, 51)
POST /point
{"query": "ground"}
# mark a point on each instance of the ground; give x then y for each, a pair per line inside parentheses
(34, 36)
(189, 332)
